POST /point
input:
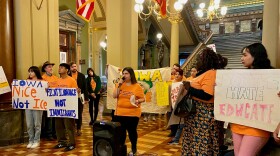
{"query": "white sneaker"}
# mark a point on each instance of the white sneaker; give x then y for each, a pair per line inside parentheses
(145, 119)
(29, 145)
(154, 118)
(34, 145)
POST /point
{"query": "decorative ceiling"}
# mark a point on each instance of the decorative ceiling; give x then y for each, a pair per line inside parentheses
(98, 21)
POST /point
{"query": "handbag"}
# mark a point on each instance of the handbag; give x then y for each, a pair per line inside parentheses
(185, 107)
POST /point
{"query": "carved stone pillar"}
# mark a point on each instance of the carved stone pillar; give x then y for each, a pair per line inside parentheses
(254, 25)
(222, 28)
(7, 52)
(237, 26)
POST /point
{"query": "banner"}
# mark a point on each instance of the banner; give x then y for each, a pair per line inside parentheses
(63, 102)
(27, 94)
(4, 85)
(248, 97)
(174, 92)
(147, 79)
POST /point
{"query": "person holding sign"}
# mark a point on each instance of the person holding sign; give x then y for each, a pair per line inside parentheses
(65, 124)
(94, 86)
(276, 134)
(34, 117)
(129, 96)
(202, 133)
(175, 123)
(48, 76)
(246, 140)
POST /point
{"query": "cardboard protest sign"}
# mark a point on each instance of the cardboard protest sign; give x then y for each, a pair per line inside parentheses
(62, 102)
(174, 92)
(4, 85)
(27, 94)
(248, 97)
(147, 79)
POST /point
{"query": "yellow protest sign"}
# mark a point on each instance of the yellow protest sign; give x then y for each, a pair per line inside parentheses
(162, 94)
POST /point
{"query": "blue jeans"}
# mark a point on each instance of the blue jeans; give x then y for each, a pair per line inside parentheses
(178, 133)
(33, 123)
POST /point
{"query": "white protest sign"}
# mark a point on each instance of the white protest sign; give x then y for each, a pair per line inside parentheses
(62, 102)
(248, 97)
(4, 85)
(174, 92)
(27, 94)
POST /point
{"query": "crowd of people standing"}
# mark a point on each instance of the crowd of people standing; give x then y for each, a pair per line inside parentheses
(202, 134)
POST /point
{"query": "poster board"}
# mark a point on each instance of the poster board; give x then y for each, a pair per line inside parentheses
(35, 95)
(248, 97)
(4, 85)
(27, 94)
(62, 102)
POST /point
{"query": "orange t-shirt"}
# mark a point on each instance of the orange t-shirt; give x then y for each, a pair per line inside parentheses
(67, 82)
(206, 82)
(75, 75)
(245, 130)
(92, 83)
(52, 80)
(124, 107)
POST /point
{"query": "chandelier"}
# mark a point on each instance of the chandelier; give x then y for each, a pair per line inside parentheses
(160, 8)
(214, 11)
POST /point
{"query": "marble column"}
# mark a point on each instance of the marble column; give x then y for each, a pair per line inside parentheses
(122, 33)
(271, 31)
(37, 34)
(7, 52)
(174, 46)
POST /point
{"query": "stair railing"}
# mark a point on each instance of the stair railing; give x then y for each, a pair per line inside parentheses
(203, 35)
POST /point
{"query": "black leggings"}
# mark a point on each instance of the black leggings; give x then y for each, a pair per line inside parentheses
(130, 124)
(95, 102)
(80, 114)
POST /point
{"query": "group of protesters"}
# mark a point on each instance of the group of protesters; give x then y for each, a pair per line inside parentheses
(202, 134)
(88, 90)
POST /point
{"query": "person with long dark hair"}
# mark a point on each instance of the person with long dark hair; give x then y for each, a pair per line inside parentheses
(129, 96)
(34, 117)
(94, 86)
(201, 135)
(246, 140)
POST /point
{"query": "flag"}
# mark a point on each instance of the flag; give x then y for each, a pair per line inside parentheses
(85, 9)
(162, 4)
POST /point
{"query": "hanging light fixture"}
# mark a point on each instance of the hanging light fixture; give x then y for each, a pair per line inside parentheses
(213, 11)
(160, 8)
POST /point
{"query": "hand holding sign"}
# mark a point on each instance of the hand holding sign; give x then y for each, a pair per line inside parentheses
(276, 134)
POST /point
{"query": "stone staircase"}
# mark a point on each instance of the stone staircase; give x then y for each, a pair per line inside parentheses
(230, 46)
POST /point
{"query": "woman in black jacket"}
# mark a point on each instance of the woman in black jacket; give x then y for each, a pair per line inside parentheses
(94, 86)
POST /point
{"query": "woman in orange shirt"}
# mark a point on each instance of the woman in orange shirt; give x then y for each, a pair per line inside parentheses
(193, 74)
(129, 96)
(249, 141)
(201, 135)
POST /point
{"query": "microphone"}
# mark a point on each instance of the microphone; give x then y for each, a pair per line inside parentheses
(123, 78)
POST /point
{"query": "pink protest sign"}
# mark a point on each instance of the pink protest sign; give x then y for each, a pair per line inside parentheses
(248, 97)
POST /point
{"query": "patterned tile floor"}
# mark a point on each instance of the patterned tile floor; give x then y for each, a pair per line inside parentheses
(152, 140)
